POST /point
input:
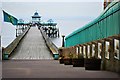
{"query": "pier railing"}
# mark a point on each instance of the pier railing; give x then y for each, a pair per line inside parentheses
(53, 48)
(6, 52)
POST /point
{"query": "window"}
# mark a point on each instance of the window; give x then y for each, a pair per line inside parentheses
(116, 49)
(84, 51)
(33, 19)
(107, 49)
(93, 50)
(77, 50)
(99, 50)
(80, 50)
(88, 51)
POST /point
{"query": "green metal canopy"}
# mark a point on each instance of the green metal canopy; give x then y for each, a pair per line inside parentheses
(107, 24)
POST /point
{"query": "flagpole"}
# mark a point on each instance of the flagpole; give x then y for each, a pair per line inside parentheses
(11, 19)
(16, 30)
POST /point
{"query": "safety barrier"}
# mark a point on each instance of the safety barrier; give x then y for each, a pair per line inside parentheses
(53, 48)
(6, 52)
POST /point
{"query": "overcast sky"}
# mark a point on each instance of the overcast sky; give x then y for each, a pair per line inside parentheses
(73, 13)
(52, 0)
(55, 10)
(69, 14)
(83, 11)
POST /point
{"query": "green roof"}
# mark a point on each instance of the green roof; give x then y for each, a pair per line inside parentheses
(99, 18)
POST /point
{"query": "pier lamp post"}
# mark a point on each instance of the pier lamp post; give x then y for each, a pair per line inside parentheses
(63, 36)
(16, 32)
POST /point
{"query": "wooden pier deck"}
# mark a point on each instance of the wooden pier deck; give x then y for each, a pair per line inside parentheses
(32, 47)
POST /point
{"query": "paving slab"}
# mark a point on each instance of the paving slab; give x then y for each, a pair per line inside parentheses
(49, 69)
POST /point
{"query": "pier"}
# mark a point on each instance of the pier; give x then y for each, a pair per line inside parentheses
(32, 47)
(32, 58)
(85, 53)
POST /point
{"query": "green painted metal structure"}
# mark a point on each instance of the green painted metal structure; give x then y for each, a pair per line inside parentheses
(107, 24)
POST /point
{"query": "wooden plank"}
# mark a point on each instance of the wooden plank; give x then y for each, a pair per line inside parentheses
(53, 48)
(32, 47)
(8, 50)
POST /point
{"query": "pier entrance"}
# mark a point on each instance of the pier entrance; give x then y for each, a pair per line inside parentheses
(32, 54)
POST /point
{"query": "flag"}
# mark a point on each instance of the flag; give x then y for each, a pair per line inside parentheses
(9, 18)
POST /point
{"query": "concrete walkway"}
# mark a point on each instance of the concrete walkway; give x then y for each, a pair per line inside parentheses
(32, 47)
(49, 69)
